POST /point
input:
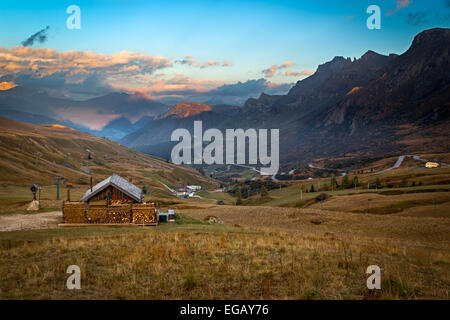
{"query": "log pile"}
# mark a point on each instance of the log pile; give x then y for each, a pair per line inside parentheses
(73, 212)
(97, 214)
(119, 214)
(144, 213)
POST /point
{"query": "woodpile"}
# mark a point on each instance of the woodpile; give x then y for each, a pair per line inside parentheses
(97, 214)
(73, 212)
(144, 213)
(119, 213)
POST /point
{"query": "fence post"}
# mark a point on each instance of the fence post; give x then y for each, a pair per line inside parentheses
(63, 213)
(131, 212)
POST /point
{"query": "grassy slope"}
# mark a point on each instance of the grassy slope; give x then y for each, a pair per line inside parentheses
(65, 150)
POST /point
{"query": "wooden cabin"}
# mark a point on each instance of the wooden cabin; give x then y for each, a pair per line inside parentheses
(113, 190)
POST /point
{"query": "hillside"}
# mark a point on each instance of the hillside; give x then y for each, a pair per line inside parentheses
(374, 106)
(39, 153)
(38, 107)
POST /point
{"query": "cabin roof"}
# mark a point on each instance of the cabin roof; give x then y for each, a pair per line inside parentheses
(118, 182)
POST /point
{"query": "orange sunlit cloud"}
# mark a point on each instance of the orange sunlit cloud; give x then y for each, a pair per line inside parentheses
(7, 85)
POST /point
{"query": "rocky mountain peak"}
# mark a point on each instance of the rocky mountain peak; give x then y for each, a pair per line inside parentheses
(186, 109)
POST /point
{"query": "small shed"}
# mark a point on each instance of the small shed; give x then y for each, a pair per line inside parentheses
(114, 189)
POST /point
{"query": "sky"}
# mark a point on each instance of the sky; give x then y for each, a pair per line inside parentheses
(181, 49)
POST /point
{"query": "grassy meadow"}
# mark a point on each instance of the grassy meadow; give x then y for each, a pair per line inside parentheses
(281, 246)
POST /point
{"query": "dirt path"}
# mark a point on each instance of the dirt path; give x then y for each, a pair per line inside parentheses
(45, 220)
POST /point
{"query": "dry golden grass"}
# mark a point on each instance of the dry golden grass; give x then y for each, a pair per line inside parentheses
(379, 203)
(404, 231)
(202, 264)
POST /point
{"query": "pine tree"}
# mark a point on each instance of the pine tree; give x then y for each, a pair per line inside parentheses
(345, 182)
(378, 182)
(312, 188)
(239, 198)
(264, 192)
(355, 181)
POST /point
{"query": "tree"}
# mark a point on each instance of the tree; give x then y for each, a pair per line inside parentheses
(355, 181)
(264, 192)
(303, 188)
(345, 182)
(404, 183)
(312, 188)
(239, 198)
(333, 181)
(378, 182)
(200, 169)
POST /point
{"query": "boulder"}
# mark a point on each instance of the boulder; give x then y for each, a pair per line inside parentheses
(34, 206)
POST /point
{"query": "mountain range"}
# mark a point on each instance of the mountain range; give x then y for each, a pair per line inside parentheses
(375, 105)
(38, 107)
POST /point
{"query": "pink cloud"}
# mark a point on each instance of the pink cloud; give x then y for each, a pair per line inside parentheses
(400, 4)
(298, 74)
(270, 72)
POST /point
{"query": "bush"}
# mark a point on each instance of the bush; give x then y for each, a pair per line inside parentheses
(239, 198)
(321, 197)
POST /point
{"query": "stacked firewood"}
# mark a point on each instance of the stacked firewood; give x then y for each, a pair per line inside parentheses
(73, 212)
(97, 214)
(119, 214)
(144, 213)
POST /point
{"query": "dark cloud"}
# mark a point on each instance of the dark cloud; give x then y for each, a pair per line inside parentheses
(40, 36)
(233, 94)
(417, 18)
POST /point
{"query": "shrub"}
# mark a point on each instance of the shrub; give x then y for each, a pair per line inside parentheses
(321, 197)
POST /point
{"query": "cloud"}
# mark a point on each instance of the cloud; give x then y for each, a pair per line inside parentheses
(287, 64)
(417, 18)
(400, 4)
(270, 72)
(190, 61)
(182, 88)
(6, 85)
(77, 72)
(299, 74)
(40, 36)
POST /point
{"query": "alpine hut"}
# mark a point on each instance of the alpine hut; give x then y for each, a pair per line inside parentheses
(115, 190)
(112, 201)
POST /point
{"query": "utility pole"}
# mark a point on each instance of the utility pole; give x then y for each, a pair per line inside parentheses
(37, 155)
(301, 193)
(57, 187)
